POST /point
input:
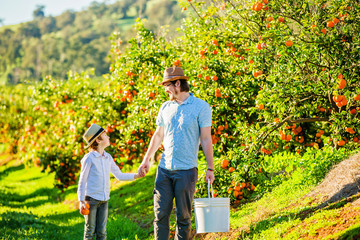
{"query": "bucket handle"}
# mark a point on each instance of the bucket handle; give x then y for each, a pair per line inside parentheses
(212, 191)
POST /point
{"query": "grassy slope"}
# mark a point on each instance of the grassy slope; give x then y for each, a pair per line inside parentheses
(31, 208)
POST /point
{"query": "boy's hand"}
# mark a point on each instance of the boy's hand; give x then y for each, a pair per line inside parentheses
(140, 174)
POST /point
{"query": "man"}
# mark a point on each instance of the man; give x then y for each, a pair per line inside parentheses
(182, 123)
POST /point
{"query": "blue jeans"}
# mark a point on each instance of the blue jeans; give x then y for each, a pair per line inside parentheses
(178, 184)
(96, 221)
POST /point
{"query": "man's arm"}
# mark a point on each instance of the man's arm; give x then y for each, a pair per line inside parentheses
(154, 145)
(206, 143)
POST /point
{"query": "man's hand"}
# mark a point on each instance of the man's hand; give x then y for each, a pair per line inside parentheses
(210, 176)
(144, 168)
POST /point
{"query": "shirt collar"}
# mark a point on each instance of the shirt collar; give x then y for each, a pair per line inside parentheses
(189, 100)
(97, 154)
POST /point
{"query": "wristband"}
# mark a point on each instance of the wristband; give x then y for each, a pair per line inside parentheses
(210, 169)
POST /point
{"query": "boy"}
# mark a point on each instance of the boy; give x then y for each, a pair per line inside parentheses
(94, 181)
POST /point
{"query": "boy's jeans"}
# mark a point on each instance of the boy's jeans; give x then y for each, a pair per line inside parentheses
(179, 184)
(96, 221)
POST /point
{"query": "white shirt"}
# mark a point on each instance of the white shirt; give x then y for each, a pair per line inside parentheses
(95, 176)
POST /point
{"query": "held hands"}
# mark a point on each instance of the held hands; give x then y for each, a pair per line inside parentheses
(143, 168)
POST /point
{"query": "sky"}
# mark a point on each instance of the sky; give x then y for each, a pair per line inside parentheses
(17, 11)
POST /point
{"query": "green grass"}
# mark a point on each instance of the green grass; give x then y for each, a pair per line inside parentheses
(31, 208)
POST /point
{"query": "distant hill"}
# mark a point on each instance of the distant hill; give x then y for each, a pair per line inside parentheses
(76, 40)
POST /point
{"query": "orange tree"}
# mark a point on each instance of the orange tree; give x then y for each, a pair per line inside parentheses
(60, 112)
(279, 75)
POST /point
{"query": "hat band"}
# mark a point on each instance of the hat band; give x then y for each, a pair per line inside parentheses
(96, 134)
(169, 77)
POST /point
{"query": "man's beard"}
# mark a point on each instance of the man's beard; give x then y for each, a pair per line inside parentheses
(171, 95)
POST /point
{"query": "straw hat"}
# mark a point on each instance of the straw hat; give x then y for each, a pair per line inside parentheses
(173, 73)
(93, 132)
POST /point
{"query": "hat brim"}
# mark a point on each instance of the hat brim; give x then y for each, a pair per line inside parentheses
(173, 79)
(89, 144)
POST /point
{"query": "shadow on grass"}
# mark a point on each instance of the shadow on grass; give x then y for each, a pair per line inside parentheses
(332, 203)
(351, 234)
(9, 170)
(135, 201)
(16, 225)
(50, 195)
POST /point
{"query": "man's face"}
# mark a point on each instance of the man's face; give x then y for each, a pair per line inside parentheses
(171, 90)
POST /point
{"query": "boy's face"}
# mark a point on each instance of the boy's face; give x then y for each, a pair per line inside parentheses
(105, 140)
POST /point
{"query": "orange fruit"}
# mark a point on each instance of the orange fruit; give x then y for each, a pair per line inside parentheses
(330, 24)
(215, 78)
(217, 93)
(344, 102)
(231, 169)
(288, 138)
(281, 19)
(85, 211)
(342, 83)
(261, 106)
(323, 31)
(356, 139)
(288, 43)
(224, 163)
(341, 143)
(335, 20)
(357, 97)
(353, 111)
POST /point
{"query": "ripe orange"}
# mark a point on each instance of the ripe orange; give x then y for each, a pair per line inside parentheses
(356, 139)
(85, 211)
(353, 111)
(335, 20)
(341, 143)
(215, 78)
(357, 97)
(330, 24)
(224, 163)
(342, 83)
(217, 93)
(344, 101)
(288, 138)
(288, 43)
(281, 19)
(231, 169)
(261, 106)
(323, 31)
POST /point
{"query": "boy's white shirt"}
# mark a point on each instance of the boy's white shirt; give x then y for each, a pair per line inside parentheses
(95, 176)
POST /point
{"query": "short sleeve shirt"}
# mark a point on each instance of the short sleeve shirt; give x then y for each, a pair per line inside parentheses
(182, 123)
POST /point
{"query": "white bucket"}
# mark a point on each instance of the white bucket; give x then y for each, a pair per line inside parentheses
(212, 214)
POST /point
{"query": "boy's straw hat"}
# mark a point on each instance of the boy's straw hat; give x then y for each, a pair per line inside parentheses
(93, 132)
(173, 73)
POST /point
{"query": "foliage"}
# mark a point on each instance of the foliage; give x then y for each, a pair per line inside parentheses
(75, 41)
(275, 83)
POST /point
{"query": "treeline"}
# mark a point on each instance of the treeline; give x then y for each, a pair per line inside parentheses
(76, 41)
